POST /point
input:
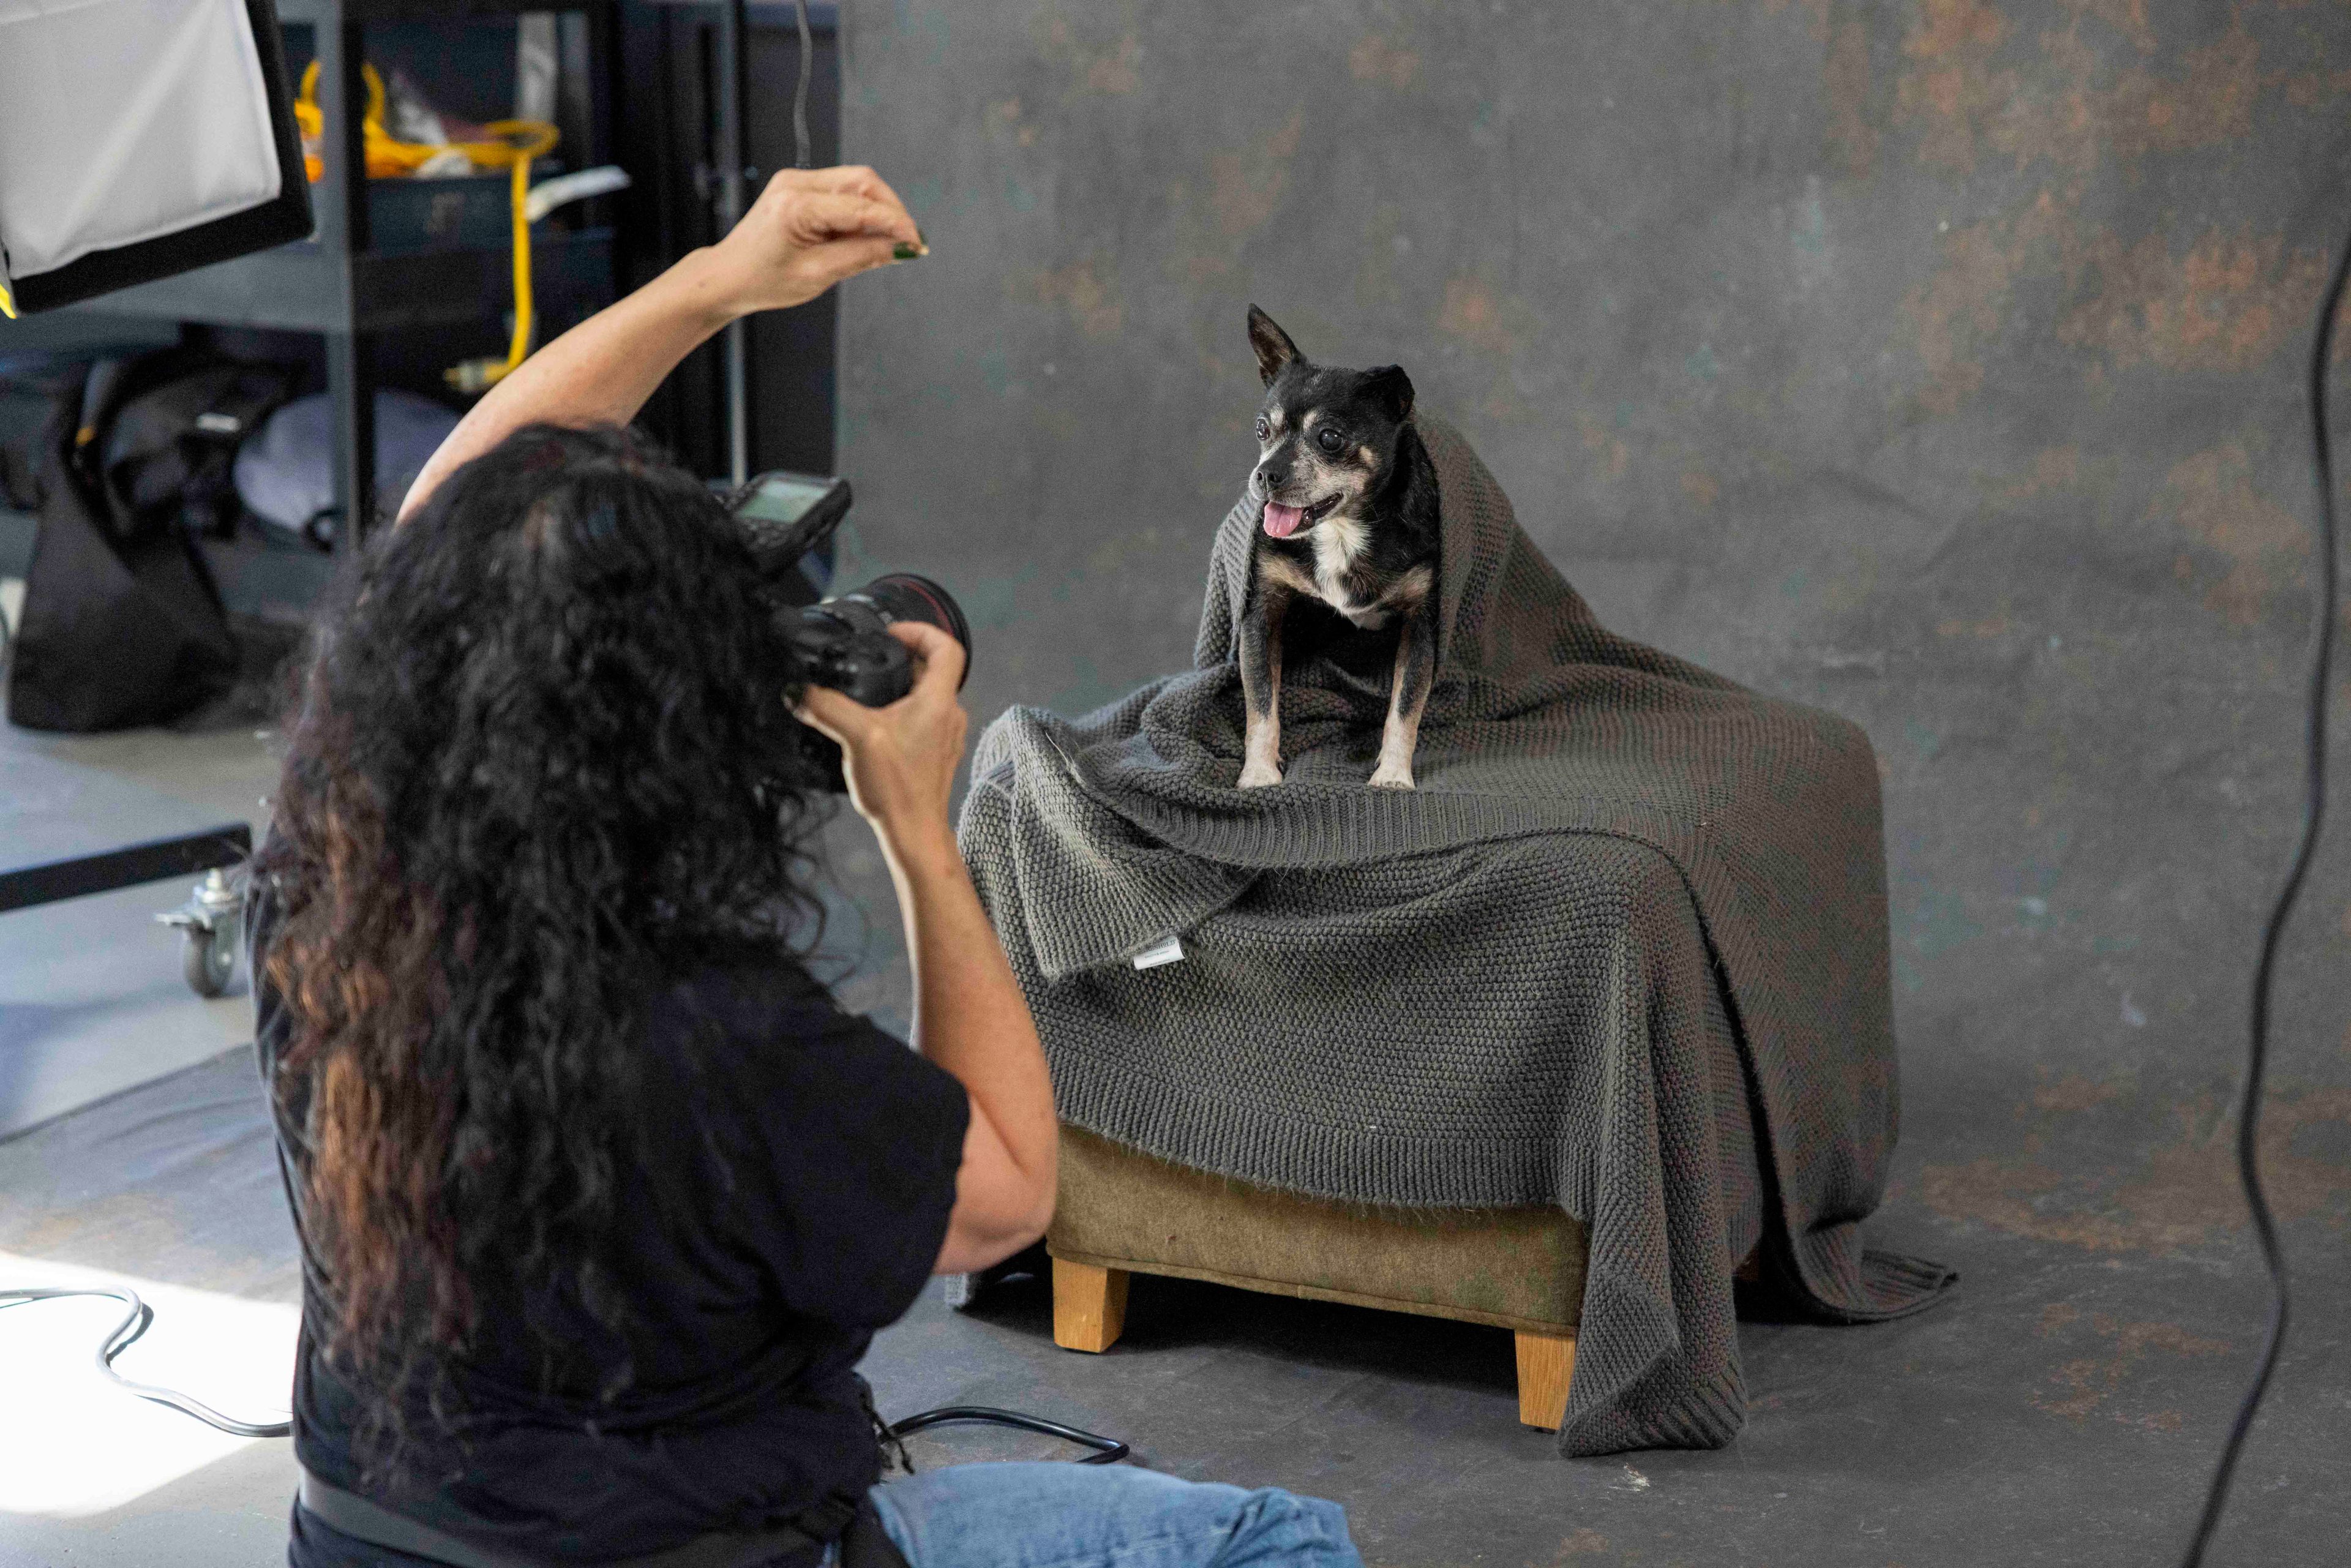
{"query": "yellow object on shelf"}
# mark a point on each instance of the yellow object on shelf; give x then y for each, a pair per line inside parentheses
(518, 141)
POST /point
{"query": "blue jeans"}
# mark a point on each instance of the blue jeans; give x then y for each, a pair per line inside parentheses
(1060, 1515)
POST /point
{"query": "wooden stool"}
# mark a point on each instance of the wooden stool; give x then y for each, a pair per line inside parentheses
(1124, 1213)
(1090, 1313)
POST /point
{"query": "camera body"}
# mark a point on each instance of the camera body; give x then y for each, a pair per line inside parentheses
(844, 641)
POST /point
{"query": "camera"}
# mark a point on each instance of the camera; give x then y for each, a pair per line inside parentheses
(844, 641)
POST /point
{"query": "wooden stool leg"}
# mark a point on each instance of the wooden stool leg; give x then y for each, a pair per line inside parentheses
(1089, 1305)
(1546, 1364)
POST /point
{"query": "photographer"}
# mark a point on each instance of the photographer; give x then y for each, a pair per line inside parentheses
(601, 1196)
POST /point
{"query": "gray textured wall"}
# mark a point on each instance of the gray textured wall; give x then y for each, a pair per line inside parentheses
(1935, 363)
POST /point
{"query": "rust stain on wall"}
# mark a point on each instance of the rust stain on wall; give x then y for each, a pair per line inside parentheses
(2228, 304)
(1115, 69)
(2073, 120)
(1475, 315)
(1984, 631)
(2127, 17)
(1964, 303)
(2308, 90)
(1092, 302)
(1502, 405)
(1244, 188)
(1950, 87)
(1844, 93)
(1604, 444)
(1119, 71)
(2053, 469)
(1816, 14)
(1005, 114)
(2262, 545)
(1375, 59)
(1951, 29)
(2066, 105)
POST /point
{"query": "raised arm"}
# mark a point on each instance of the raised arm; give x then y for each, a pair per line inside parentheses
(810, 229)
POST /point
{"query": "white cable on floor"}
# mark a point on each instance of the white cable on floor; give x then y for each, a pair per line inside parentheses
(123, 1336)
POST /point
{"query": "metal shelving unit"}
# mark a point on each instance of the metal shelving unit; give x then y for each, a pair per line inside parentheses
(339, 286)
(336, 284)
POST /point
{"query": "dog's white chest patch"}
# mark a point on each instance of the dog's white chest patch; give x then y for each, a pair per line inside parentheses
(1337, 545)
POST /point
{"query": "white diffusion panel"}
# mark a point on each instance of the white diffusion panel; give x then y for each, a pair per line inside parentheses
(123, 121)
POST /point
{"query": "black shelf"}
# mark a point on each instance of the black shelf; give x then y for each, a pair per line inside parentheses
(301, 287)
(363, 11)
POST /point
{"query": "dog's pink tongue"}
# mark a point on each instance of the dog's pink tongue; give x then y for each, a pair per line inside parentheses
(1282, 521)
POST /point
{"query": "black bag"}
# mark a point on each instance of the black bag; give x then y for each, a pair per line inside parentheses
(170, 446)
(122, 625)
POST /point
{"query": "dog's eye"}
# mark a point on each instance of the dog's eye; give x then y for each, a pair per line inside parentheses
(1332, 440)
(1263, 429)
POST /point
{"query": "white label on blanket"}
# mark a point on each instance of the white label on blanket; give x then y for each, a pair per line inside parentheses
(1170, 951)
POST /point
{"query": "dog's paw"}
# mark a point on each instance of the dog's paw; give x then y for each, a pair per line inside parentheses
(1257, 775)
(1391, 776)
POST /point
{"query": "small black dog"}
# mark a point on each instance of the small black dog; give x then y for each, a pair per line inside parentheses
(1349, 518)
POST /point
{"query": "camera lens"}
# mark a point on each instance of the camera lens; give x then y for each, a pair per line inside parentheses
(902, 596)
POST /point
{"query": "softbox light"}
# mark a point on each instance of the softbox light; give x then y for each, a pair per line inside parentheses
(140, 138)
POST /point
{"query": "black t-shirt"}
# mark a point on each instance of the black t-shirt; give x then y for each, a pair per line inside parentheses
(801, 1167)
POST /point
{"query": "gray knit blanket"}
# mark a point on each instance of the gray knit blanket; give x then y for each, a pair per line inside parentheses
(1490, 991)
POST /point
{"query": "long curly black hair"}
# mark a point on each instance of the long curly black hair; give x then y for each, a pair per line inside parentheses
(542, 758)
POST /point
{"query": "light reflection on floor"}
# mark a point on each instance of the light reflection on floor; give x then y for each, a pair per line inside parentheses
(73, 1444)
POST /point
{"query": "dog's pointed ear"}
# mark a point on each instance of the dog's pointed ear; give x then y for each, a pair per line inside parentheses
(1274, 349)
(1393, 388)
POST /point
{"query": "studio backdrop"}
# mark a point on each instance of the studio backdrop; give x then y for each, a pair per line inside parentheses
(1935, 363)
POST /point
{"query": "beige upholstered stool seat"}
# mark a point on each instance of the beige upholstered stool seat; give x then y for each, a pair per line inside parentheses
(1123, 1212)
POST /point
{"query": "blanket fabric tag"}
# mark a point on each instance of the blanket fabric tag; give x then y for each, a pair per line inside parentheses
(1169, 951)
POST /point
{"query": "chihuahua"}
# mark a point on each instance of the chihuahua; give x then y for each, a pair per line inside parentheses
(1348, 516)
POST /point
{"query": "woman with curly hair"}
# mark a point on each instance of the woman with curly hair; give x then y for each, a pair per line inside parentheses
(601, 1195)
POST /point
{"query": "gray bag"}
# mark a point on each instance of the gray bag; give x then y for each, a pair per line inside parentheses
(284, 472)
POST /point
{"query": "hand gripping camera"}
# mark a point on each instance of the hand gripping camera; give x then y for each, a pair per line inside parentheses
(844, 641)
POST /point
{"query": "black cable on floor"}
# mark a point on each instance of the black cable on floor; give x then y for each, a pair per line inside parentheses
(1106, 1450)
(2313, 815)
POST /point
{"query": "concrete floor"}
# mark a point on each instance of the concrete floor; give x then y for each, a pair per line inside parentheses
(2062, 1409)
(92, 1001)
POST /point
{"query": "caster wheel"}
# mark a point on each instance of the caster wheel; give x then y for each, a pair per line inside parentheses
(208, 958)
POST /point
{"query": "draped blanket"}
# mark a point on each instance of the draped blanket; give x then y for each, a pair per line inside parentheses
(1491, 991)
